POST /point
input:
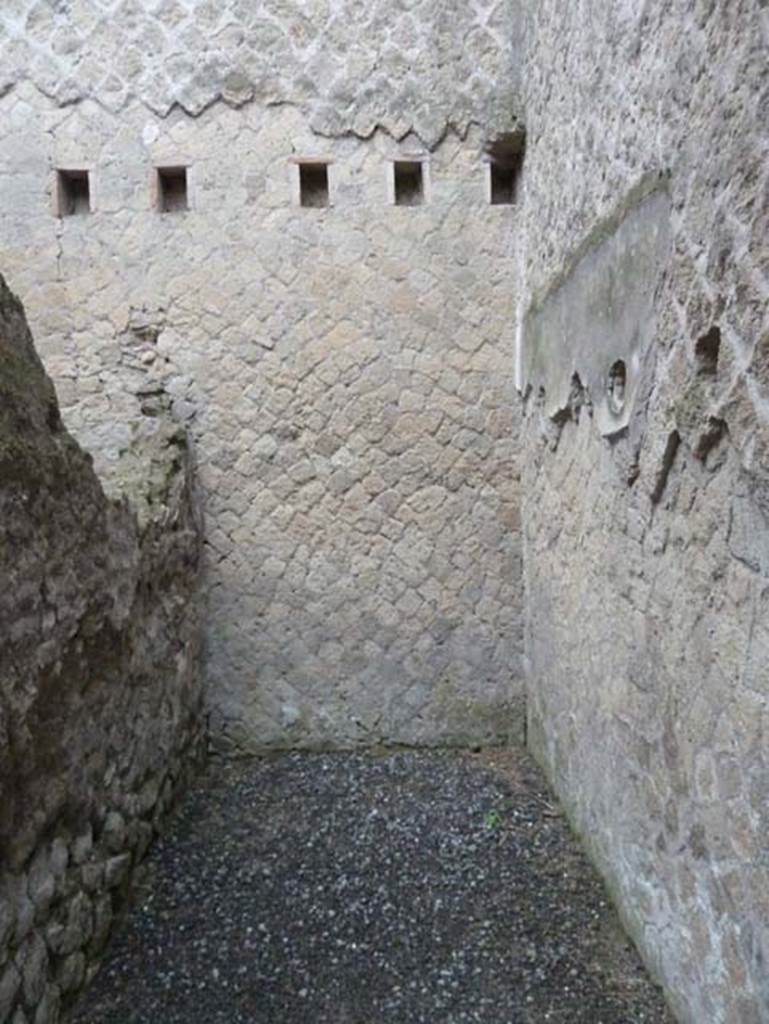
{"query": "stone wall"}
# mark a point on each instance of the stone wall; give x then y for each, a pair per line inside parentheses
(100, 698)
(644, 362)
(347, 374)
(346, 371)
(406, 66)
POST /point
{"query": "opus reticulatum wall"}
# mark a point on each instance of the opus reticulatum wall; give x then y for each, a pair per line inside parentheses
(345, 369)
(347, 372)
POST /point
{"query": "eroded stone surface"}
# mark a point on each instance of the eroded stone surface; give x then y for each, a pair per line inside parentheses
(100, 702)
(593, 328)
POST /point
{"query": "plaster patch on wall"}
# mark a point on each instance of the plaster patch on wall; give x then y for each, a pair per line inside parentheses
(598, 319)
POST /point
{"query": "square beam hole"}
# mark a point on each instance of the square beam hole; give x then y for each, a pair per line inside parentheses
(409, 182)
(313, 184)
(172, 189)
(504, 180)
(73, 193)
(506, 163)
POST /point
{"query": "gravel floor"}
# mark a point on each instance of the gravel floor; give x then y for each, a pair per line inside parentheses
(430, 887)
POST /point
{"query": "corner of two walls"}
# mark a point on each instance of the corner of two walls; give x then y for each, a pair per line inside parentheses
(348, 382)
(646, 475)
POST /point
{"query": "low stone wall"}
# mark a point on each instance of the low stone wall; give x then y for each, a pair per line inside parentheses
(100, 698)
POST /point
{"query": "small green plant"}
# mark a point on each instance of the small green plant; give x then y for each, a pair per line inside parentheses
(492, 819)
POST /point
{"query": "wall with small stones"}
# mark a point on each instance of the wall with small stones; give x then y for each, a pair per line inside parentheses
(101, 718)
(346, 371)
(400, 66)
(646, 507)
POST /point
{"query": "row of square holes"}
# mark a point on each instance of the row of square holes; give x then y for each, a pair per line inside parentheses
(74, 190)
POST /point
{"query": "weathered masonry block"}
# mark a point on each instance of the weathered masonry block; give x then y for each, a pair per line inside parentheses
(100, 694)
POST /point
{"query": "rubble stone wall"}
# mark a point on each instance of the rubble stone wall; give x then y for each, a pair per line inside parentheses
(644, 361)
(101, 717)
(346, 371)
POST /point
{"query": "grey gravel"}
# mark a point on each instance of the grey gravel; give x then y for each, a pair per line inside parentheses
(400, 888)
